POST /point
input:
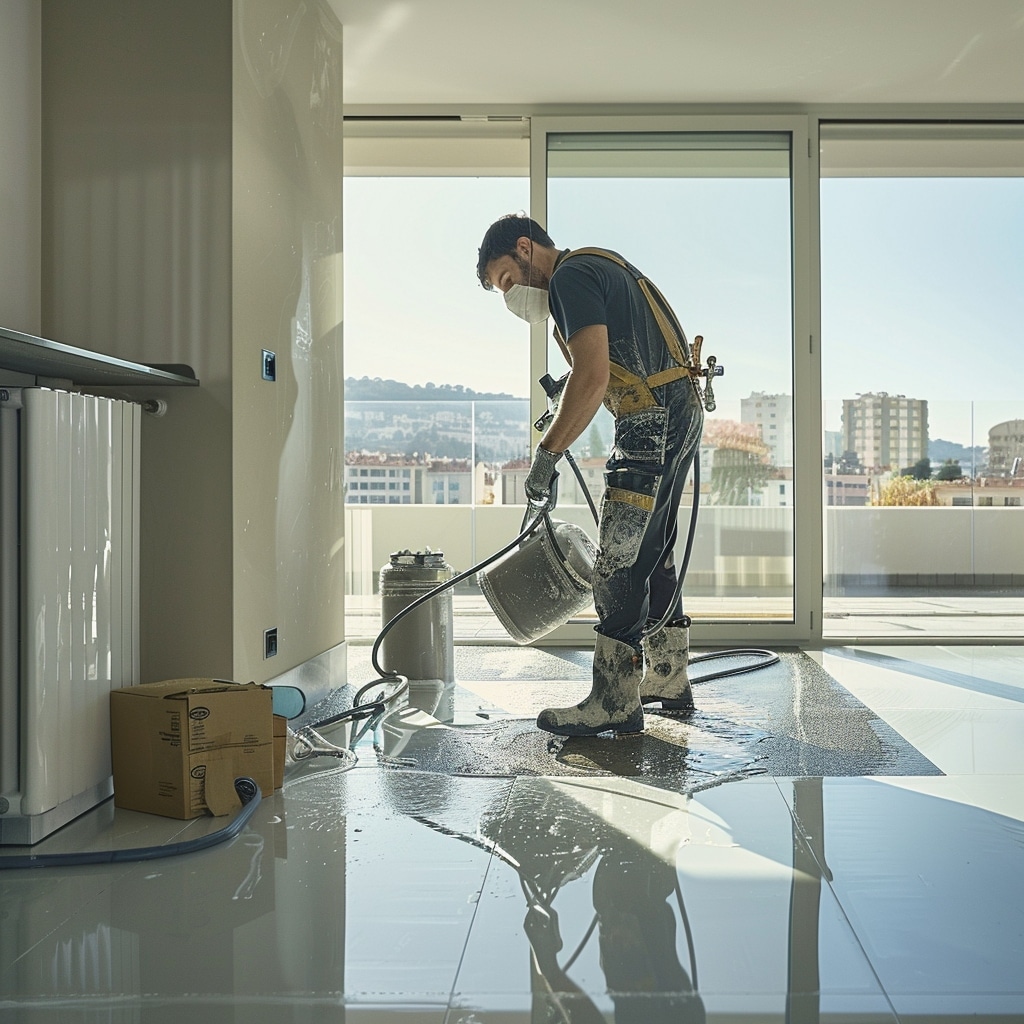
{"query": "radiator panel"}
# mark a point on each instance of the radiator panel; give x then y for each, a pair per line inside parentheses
(10, 721)
(78, 507)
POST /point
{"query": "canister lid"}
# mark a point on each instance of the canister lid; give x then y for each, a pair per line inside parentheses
(432, 559)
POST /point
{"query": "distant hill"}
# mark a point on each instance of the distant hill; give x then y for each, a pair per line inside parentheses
(939, 451)
(446, 421)
(367, 389)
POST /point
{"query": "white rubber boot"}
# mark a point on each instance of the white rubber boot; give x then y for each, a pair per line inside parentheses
(613, 704)
(666, 655)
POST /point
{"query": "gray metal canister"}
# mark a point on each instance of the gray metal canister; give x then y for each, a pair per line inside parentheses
(422, 644)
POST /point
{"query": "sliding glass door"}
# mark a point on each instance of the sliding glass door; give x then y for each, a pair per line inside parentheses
(922, 303)
(705, 210)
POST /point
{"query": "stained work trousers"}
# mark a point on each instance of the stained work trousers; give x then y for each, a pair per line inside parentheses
(634, 574)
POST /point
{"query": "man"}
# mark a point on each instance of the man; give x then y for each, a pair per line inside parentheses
(625, 349)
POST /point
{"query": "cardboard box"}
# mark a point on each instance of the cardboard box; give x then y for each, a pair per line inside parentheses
(177, 746)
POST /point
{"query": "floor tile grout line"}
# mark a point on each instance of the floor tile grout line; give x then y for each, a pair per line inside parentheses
(476, 907)
(824, 875)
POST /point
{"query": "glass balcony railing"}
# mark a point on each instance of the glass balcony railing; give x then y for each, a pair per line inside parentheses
(941, 551)
(918, 542)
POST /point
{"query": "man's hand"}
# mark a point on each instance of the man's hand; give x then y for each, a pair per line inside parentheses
(541, 477)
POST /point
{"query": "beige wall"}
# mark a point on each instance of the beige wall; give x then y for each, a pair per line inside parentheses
(19, 165)
(184, 206)
(288, 455)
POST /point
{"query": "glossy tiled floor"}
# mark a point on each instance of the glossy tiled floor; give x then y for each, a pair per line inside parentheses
(379, 894)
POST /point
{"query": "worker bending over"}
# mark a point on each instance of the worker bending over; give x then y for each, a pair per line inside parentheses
(626, 350)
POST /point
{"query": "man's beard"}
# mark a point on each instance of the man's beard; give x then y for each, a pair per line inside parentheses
(532, 276)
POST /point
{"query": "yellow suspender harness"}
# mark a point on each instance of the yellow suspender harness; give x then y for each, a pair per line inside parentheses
(629, 392)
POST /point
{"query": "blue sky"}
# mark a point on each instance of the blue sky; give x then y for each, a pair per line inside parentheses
(413, 308)
(923, 295)
(921, 283)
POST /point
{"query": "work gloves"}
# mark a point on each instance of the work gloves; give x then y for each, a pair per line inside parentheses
(540, 482)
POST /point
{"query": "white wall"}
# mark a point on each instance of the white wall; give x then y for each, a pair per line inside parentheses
(288, 467)
(191, 212)
(19, 164)
(136, 253)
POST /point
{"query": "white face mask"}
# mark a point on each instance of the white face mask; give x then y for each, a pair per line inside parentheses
(527, 302)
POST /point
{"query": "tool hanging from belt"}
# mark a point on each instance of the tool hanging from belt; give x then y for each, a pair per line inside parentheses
(630, 392)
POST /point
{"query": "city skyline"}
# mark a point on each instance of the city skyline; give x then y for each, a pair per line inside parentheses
(455, 442)
(451, 396)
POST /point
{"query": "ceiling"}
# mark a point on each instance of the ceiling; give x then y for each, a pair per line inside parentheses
(549, 53)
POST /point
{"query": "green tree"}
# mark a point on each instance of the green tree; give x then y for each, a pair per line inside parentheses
(920, 470)
(949, 470)
(595, 443)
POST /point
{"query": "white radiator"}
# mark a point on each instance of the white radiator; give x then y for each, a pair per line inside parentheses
(69, 609)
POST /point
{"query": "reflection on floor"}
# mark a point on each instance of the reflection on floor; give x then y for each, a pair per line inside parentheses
(838, 838)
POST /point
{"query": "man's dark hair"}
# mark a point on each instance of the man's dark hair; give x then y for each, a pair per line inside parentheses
(500, 240)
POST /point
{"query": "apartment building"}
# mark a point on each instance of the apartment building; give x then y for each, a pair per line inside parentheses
(887, 432)
(773, 415)
(1006, 449)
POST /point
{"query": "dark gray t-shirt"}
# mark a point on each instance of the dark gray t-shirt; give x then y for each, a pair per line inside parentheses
(585, 290)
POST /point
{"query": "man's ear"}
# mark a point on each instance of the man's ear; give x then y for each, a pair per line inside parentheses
(524, 247)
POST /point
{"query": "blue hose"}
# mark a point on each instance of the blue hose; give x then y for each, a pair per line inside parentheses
(247, 790)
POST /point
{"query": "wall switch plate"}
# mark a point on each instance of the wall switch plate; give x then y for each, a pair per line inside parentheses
(269, 643)
(269, 365)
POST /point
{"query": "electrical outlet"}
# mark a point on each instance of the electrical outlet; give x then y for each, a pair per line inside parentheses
(269, 365)
(269, 643)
